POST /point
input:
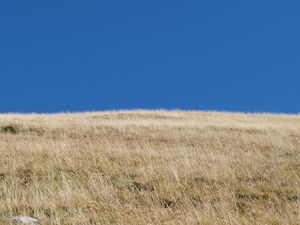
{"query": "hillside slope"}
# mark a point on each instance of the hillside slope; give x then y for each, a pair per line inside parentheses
(151, 167)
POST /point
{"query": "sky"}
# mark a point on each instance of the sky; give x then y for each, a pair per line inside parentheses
(70, 55)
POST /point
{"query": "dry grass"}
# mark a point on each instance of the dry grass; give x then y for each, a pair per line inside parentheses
(151, 167)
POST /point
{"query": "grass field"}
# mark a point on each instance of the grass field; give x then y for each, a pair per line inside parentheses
(151, 167)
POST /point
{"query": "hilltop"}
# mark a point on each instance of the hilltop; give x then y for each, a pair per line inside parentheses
(151, 167)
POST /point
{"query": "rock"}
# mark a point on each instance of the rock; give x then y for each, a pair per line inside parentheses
(25, 220)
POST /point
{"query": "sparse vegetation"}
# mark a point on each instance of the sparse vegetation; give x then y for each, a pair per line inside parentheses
(151, 167)
(10, 129)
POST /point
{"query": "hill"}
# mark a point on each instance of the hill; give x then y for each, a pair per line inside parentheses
(151, 167)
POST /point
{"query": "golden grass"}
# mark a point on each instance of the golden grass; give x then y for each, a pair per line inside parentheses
(151, 167)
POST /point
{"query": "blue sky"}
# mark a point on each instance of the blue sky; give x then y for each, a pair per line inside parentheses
(99, 55)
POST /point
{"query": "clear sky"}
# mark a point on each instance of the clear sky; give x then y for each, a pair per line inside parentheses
(69, 55)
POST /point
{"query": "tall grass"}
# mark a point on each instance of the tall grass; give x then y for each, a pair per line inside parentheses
(151, 167)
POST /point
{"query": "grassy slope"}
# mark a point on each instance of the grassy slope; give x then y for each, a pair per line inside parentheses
(151, 167)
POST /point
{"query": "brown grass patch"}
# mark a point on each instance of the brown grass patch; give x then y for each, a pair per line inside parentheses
(151, 167)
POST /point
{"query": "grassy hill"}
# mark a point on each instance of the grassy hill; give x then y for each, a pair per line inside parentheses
(151, 167)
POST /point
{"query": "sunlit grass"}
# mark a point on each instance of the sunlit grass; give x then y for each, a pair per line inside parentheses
(151, 167)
